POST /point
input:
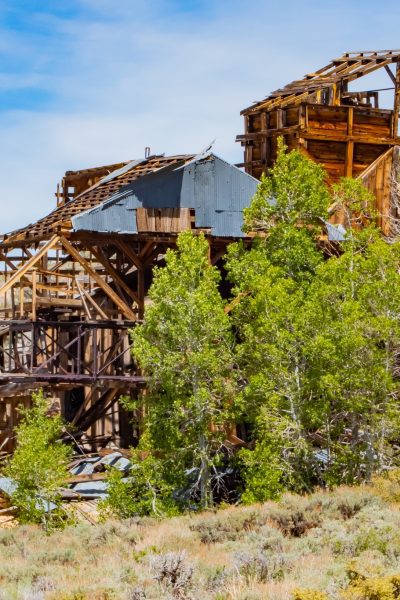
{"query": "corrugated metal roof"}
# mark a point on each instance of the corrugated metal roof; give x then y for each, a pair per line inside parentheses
(217, 190)
(336, 233)
(93, 196)
(8, 486)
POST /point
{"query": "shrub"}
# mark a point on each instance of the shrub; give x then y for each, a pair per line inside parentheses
(143, 493)
(73, 596)
(388, 486)
(228, 527)
(309, 595)
(260, 566)
(348, 508)
(295, 523)
(136, 593)
(217, 578)
(39, 465)
(380, 588)
(173, 572)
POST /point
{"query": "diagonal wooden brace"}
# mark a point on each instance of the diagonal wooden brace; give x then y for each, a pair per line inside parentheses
(73, 252)
(29, 264)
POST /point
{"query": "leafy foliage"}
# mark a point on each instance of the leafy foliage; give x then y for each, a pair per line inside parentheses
(144, 492)
(39, 464)
(185, 348)
(317, 338)
(312, 366)
(289, 208)
(294, 192)
(309, 595)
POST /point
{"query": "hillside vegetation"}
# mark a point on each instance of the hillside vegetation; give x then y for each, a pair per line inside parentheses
(339, 545)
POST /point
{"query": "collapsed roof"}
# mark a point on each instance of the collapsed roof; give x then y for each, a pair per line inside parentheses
(94, 195)
(215, 190)
(339, 72)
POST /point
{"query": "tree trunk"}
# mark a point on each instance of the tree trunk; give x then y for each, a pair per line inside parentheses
(205, 488)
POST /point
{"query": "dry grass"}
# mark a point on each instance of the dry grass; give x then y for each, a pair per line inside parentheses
(238, 553)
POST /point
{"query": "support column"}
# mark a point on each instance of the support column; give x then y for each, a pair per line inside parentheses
(396, 107)
(348, 168)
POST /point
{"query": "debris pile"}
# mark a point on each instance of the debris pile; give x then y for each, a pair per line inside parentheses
(86, 485)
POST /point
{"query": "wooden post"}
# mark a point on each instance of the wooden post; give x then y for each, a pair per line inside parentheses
(264, 139)
(335, 95)
(248, 148)
(348, 168)
(34, 272)
(140, 291)
(396, 108)
(21, 300)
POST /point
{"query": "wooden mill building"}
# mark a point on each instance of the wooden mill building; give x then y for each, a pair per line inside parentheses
(75, 281)
(346, 131)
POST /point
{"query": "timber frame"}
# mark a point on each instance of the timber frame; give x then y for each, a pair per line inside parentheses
(69, 296)
(67, 302)
(345, 131)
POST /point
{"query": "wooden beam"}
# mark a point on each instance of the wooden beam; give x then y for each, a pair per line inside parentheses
(389, 72)
(34, 295)
(29, 264)
(98, 409)
(87, 477)
(348, 166)
(87, 311)
(59, 302)
(396, 107)
(124, 308)
(146, 248)
(113, 273)
(329, 136)
(129, 253)
(95, 305)
(367, 172)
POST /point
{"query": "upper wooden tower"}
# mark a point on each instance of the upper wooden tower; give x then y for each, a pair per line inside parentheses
(346, 131)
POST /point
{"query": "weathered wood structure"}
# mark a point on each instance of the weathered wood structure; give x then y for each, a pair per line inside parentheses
(345, 131)
(75, 281)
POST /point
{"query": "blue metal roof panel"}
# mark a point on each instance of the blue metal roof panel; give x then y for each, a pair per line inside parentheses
(119, 217)
(336, 233)
(216, 190)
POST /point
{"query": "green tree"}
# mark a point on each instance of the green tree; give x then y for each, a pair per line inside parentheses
(288, 211)
(271, 281)
(185, 348)
(351, 323)
(317, 337)
(271, 360)
(39, 463)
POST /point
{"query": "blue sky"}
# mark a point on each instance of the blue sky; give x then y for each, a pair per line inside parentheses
(92, 82)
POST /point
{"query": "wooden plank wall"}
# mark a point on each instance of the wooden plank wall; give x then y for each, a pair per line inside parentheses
(345, 140)
(163, 220)
(378, 179)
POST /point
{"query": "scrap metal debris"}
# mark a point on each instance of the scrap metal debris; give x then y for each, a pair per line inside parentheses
(86, 485)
